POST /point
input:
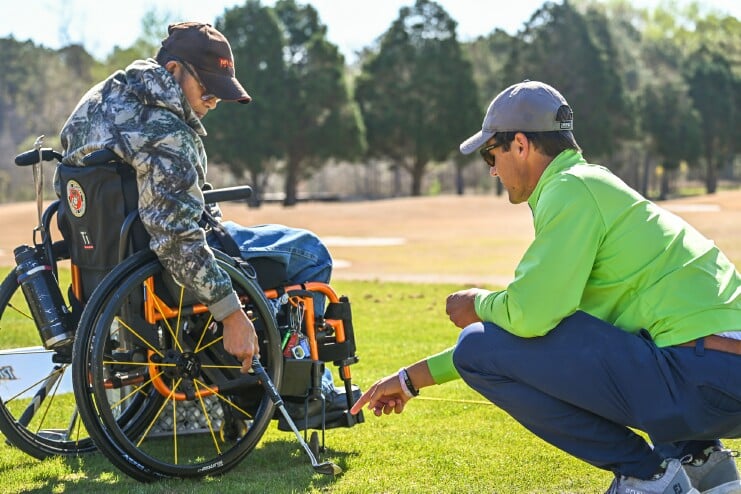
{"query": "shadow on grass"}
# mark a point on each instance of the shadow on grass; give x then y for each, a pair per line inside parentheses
(274, 466)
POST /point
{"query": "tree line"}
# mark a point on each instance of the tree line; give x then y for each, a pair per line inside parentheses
(648, 87)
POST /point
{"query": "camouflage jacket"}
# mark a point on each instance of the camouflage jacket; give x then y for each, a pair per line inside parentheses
(142, 115)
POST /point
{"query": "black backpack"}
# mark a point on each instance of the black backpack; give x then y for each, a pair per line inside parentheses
(95, 203)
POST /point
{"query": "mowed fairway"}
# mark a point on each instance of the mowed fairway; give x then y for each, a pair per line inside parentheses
(468, 239)
(396, 260)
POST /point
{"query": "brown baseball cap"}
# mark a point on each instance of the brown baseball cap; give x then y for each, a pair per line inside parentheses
(209, 53)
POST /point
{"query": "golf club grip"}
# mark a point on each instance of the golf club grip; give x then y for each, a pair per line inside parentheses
(268, 383)
(239, 193)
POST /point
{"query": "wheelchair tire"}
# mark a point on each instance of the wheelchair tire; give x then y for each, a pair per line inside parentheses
(200, 416)
(38, 413)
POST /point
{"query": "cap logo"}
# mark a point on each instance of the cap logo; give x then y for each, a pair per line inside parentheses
(567, 125)
(225, 63)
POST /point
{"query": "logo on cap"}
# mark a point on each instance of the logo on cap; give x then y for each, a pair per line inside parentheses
(225, 63)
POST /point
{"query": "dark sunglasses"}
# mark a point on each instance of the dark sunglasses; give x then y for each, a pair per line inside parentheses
(485, 153)
(206, 97)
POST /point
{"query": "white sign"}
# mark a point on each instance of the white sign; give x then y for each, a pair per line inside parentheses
(24, 370)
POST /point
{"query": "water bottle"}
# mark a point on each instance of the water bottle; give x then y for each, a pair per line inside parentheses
(43, 297)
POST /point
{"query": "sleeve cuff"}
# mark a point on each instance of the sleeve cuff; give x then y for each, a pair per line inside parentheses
(441, 366)
(225, 306)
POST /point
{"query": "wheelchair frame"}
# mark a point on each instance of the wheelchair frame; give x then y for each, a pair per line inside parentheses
(331, 338)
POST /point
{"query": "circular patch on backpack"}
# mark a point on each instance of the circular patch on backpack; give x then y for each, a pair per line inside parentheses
(76, 198)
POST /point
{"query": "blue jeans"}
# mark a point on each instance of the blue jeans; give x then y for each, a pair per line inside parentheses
(305, 256)
(584, 385)
(302, 253)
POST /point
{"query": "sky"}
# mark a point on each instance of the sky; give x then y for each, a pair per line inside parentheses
(100, 25)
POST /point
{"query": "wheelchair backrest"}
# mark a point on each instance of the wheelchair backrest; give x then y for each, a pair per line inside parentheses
(94, 205)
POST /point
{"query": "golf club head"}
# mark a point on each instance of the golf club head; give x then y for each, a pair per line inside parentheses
(327, 468)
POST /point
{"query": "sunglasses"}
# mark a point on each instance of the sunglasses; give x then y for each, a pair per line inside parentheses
(206, 97)
(485, 153)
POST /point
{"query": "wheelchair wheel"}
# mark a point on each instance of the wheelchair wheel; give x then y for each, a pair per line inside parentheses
(38, 413)
(139, 336)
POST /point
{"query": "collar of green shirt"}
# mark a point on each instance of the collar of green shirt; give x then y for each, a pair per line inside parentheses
(564, 160)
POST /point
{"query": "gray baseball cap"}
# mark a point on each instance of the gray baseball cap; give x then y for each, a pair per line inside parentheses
(529, 106)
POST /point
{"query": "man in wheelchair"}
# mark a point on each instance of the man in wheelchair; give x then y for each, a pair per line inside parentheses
(149, 116)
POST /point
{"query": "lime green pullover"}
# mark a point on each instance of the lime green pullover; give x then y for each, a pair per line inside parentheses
(602, 248)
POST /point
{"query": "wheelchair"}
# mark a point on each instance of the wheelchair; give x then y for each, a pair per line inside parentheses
(133, 366)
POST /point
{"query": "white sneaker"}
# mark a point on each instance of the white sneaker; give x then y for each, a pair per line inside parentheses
(715, 472)
(673, 481)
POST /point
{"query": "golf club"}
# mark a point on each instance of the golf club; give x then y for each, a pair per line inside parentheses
(325, 468)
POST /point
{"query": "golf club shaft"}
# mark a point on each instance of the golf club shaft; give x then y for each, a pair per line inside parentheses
(278, 401)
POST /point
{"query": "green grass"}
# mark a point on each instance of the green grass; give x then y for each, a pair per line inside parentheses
(448, 440)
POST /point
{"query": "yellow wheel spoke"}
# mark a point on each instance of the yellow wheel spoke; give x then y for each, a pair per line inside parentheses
(50, 399)
(208, 420)
(138, 364)
(139, 336)
(159, 412)
(78, 424)
(180, 309)
(203, 333)
(19, 311)
(227, 400)
(215, 341)
(134, 391)
(33, 385)
(175, 430)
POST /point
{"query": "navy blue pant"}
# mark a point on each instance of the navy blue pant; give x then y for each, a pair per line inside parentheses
(581, 387)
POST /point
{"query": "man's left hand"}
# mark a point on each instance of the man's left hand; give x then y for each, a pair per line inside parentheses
(460, 307)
